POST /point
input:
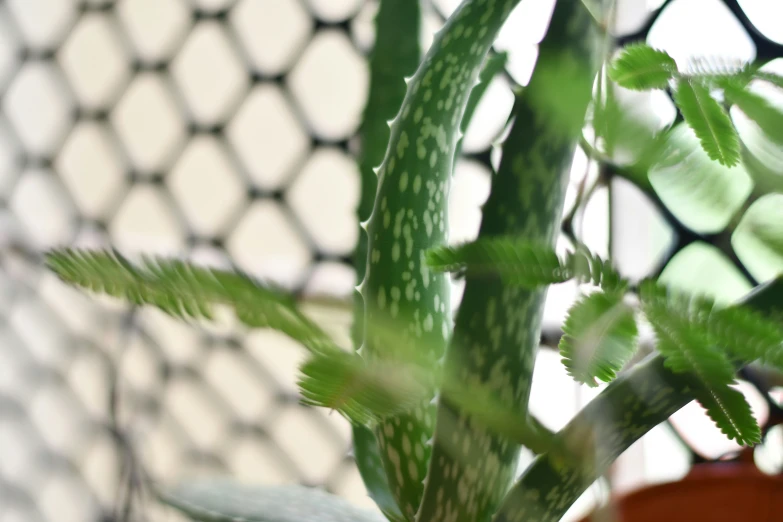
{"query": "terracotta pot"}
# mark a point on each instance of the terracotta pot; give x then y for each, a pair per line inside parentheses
(716, 492)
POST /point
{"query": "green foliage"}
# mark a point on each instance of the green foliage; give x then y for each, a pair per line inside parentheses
(517, 262)
(618, 417)
(640, 67)
(219, 500)
(587, 267)
(708, 120)
(395, 55)
(364, 392)
(187, 291)
(687, 348)
(524, 263)
(599, 337)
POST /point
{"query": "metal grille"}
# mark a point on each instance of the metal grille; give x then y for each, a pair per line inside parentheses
(221, 130)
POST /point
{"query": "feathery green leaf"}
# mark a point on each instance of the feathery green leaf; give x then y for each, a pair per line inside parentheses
(599, 337)
(717, 71)
(516, 262)
(640, 67)
(689, 349)
(747, 335)
(187, 291)
(363, 391)
(708, 120)
(586, 267)
(525, 263)
(766, 115)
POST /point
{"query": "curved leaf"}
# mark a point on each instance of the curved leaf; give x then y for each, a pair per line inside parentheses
(708, 120)
(222, 500)
(599, 338)
(640, 67)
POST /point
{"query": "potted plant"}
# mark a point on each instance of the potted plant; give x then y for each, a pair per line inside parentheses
(439, 405)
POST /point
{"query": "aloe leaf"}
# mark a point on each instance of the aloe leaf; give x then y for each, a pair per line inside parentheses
(622, 413)
(497, 329)
(395, 56)
(221, 500)
(410, 216)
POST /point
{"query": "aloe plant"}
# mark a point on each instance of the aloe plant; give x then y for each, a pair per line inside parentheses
(439, 405)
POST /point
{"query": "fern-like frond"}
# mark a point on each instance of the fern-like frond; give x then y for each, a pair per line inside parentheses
(599, 337)
(186, 291)
(517, 262)
(708, 120)
(640, 67)
(363, 391)
(747, 335)
(717, 70)
(687, 348)
(587, 267)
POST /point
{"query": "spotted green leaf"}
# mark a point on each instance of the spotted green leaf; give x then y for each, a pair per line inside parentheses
(410, 216)
(395, 55)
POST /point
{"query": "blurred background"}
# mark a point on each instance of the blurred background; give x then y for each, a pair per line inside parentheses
(222, 131)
